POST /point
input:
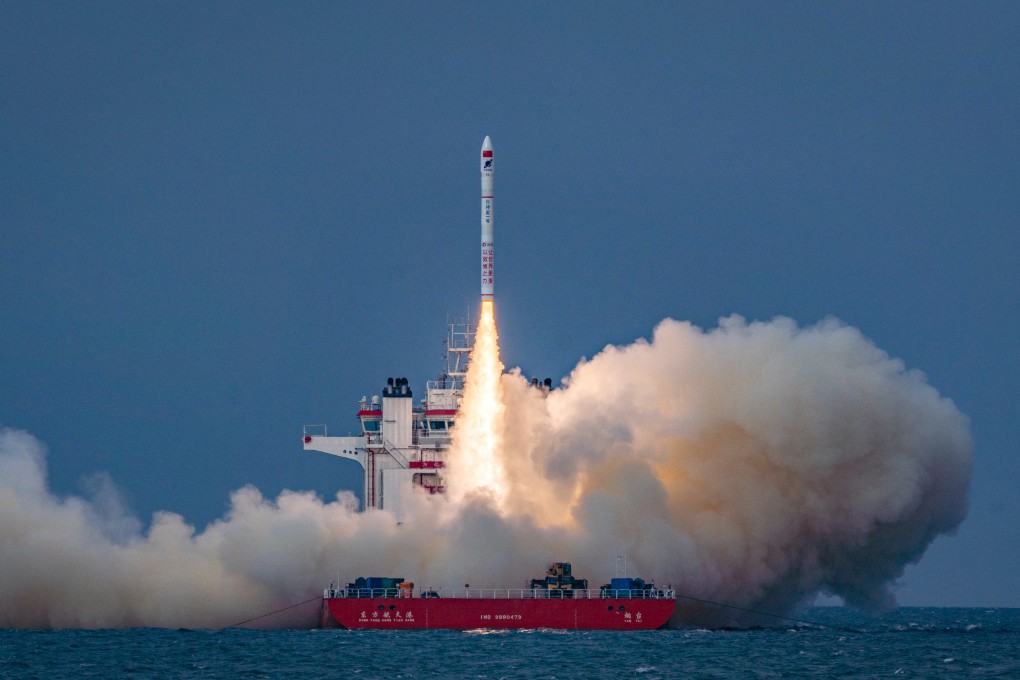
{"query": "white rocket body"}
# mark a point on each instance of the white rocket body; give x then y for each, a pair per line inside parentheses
(488, 218)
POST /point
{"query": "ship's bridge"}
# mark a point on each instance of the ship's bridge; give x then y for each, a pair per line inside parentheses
(402, 446)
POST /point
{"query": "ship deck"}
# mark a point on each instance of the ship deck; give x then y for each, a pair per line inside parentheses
(502, 593)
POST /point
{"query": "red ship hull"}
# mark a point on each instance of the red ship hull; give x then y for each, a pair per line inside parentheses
(468, 613)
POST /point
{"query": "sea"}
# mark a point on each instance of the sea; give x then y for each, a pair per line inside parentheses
(824, 642)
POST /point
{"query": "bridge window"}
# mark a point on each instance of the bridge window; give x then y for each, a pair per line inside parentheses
(371, 425)
(437, 424)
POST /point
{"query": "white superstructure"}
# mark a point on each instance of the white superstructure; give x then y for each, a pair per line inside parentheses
(402, 445)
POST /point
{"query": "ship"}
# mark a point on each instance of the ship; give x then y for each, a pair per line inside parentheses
(401, 447)
(558, 601)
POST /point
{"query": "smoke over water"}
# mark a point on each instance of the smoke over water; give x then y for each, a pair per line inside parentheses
(752, 464)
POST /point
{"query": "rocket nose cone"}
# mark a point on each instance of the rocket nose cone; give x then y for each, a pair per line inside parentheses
(487, 144)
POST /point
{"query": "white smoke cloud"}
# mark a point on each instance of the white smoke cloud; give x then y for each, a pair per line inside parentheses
(754, 464)
(83, 563)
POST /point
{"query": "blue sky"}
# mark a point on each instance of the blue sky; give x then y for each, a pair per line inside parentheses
(219, 222)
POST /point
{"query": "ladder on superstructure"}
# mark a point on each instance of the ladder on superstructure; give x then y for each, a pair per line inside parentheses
(460, 339)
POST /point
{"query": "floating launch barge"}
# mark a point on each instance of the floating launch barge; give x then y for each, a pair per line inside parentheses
(402, 449)
(556, 602)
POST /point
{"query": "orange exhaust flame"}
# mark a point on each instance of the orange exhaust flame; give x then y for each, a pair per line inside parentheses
(476, 466)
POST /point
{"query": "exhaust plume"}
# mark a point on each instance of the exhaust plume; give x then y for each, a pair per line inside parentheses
(475, 462)
(755, 464)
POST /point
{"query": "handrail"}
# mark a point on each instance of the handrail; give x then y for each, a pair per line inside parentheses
(395, 452)
(506, 593)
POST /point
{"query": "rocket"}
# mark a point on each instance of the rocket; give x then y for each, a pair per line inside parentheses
(488, 266)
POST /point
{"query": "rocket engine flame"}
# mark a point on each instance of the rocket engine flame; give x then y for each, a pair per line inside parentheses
(476, 463)
(754, 464)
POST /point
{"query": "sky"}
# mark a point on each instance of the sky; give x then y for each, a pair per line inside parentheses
(221, 222)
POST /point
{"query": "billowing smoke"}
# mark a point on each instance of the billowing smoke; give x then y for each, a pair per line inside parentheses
(754, 464)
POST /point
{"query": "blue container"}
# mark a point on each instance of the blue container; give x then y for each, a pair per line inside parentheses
(622, 583)
(375, 582)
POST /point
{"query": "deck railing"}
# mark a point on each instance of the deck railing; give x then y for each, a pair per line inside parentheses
(504, 593)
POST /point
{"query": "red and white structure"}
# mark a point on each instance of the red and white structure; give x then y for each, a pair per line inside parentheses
(488, 219)
(560, 600)
(402, 445)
